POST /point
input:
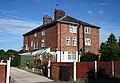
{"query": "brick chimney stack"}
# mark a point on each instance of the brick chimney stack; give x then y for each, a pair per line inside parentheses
(58, 14)
(46, 19)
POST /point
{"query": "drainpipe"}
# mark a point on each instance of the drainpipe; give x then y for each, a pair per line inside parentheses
(78, 41)
(60, 42)
(83, 40)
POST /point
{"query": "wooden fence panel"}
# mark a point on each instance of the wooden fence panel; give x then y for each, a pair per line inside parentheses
(117, 68)
(104, 69)
(84, 69)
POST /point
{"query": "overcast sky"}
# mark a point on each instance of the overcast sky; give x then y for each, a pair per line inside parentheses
(20, 16)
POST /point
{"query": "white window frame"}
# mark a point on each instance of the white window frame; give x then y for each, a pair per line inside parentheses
(26, 46)
(74, 41)
(35, 45)
(43, 43)
(73, 28)
(31, 43)
(67, 40)
(87, 41)
(87, 30)
(43, 32)
(71, 55)
(35, 34)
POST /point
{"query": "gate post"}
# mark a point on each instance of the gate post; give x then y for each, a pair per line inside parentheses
(95, 69)
(8, 72)
(49, 68)
(113, 69)
(74, 69)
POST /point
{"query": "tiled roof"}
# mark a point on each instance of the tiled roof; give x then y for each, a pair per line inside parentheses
(65, 19)
(71, 19)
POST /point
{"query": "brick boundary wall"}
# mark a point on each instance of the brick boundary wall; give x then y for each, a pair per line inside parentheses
(3, 68)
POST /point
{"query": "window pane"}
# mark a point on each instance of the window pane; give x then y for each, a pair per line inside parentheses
(73, 55)
(67, 40)
(73, 29)
(74, 41)
(35, 34)
(43, 32)
(69, 57)
(87, 42)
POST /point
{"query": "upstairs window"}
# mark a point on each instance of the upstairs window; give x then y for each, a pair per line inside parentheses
(26, 46)
(31, 43)
(43, 32)
(71, 55)
(35, 45)
(87, 42)
(67, 40)
(73, 29)
(74, 41)
(35, 34)
(87, 30)
(43, 43)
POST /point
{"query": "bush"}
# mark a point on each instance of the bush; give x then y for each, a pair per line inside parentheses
(88, 56)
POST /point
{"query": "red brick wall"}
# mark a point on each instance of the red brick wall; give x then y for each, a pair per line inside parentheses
(94, 36)
(56, 39)
(64, 33)
(51, 38)
(25, 41)
(2, 73)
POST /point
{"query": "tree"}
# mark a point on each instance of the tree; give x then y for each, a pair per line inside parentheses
(109, 49)
(88, 56)
(10, 52)
(2, 53)
(5, 55)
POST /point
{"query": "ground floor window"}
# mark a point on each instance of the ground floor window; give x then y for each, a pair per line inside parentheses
(71, 55)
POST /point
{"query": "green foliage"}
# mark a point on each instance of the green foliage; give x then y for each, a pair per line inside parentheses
(14, 61)
(110, 49)
(88, 56)
(9, 53)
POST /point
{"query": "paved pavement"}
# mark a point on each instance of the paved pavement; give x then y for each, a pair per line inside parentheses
(21, 76)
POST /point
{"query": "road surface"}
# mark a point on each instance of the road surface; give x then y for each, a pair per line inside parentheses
(22, 76)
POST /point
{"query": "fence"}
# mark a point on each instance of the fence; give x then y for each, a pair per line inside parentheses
(4, 72)
(90, 70)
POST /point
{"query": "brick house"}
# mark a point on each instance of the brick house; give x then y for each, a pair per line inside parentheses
(65, 36)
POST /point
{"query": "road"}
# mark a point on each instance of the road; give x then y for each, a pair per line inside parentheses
(21, 76)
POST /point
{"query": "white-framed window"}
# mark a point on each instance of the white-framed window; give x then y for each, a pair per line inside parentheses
(43, 43)
(74, 41)
(31, 43)
(35, 45)
(26, 46)
(87, 30)
(73, 29)
(71, 55)
(87, 42)
(43, 32)
(35, 34)
(67, 40)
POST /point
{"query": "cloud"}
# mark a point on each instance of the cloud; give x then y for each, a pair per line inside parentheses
(106, 30)
(102, 4)
(90, 12)
(100, 12)
(16, 27)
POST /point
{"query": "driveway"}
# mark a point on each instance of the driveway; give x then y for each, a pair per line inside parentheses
(21, 76)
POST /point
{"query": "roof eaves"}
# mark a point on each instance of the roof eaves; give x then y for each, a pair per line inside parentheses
(39, 27)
